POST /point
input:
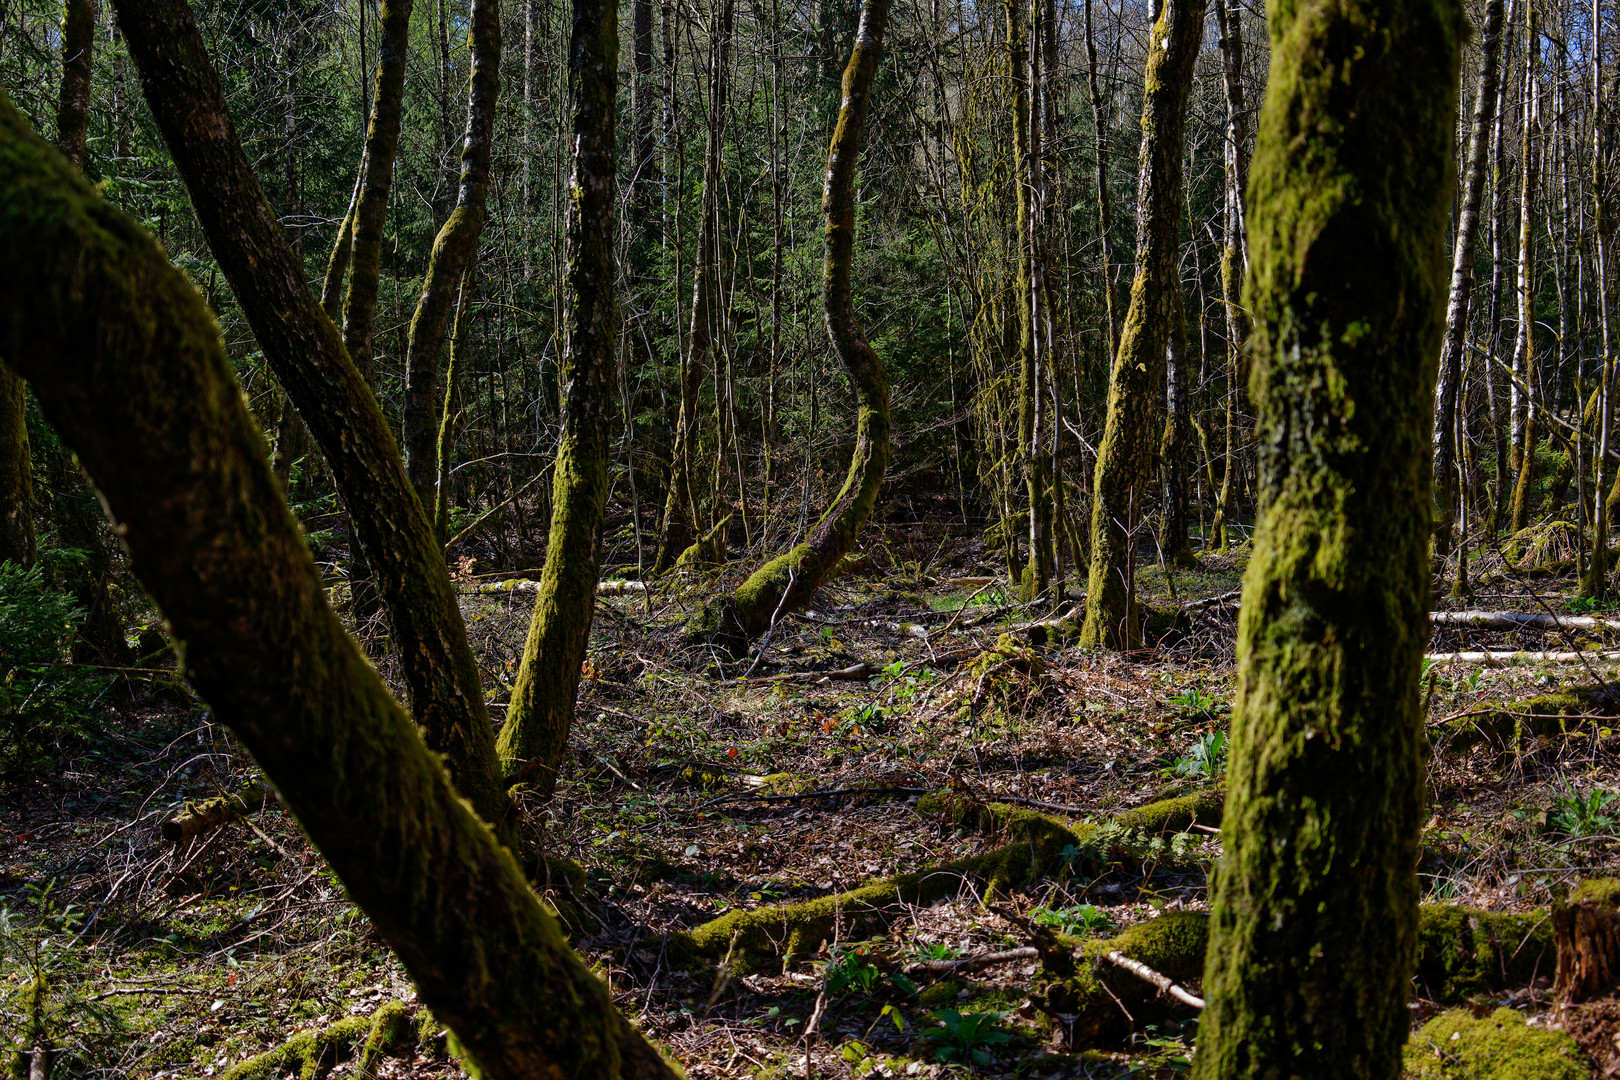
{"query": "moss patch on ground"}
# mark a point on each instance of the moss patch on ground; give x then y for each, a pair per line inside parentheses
(1457, 1045)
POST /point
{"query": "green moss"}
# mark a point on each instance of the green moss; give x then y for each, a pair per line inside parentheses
(940, 994)
(310, 1055)
(1546, 716)
(1087, 1002)
(1463, 951)
(1604, 892)
(1457, 1045)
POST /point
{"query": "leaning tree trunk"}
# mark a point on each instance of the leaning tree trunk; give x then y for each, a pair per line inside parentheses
(1462, 283)
(369, 207)
(542, 710)
(787, 582)
(307, 355)
(129, 366)
(1125, 465)
(1314, 932)
(452, 254)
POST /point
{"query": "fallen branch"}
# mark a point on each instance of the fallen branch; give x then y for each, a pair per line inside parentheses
(853, 673)
(1165, 984)
(614, 587)
(1213, 601)
(971, 963)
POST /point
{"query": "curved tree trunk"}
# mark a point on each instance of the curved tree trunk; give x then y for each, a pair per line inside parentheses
(787, 582)
(308, 357)
(542, 710)
(1125, 465)
(128, 364)
(1462, 283)
(452, 253)
(1314, 933)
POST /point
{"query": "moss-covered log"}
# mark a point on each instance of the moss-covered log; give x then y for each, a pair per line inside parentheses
(453, 252)
(304, 349)
(128, 365)
(1512, 726)
(1033, 845)
(536, 733)
(201, 818)
(787, 582)
(1315, 898)
(1125, 458)
(1461, 1045)
(311, 1055)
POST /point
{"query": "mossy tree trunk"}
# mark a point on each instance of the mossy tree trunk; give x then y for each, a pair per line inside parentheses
(683, 524)
(1462, 283)
(307, 355)
(1125, 459)
(128, 364)
(542, 710)
(1105, 209)
(1527, 412)
(376, 179)
(1175, 445)
(1024, 57)
(450, 416)
(1315, 900)
(787, 582)
(453, 251)
(16, 473)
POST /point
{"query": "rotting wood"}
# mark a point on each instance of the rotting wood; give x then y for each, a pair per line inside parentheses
(201, 818)
(1165, 984)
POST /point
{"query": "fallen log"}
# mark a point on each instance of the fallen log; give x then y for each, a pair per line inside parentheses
(1509, 658)
(1511, 726)
(201, 818)
(613, 587)
(312, 1055)
(1515, 620)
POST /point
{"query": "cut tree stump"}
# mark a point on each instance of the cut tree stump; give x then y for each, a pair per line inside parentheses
(1587, 934)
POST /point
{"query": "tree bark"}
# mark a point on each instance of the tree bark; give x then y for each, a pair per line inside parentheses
(1314, 934)
(308, 357)
(1526, 415)
(1234, 251)
(73, 107)
(16, 473)
(787, 582)
(129, 365)
(1462, 281)
(1105, 209)
(370, 211)
(1125, 465)
(542, 710)
(452, 253)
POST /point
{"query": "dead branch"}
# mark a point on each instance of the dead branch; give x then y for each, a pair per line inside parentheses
(1163, 982)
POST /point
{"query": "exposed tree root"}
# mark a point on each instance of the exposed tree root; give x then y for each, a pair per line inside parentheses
(1036, 844)
(311, 1055)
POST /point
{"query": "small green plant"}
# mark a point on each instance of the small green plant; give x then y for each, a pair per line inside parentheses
(851, 970)
(44, 700)
(1206, 761)
(1076, 921)
(1194, 704)
(936, 950)
(967, 1036)
(1580, 816)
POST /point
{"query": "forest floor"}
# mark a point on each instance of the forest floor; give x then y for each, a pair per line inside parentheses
(691, 795)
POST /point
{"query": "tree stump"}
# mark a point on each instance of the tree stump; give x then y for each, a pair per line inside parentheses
(1587, 933)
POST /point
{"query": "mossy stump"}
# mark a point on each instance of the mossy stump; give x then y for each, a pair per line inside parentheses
(1587, 934)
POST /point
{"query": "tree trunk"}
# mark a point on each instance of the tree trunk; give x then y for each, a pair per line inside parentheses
(1125, 465)
(536, 733)
(376, 179)
(787, 582)
(452, 253)
(682, 525)
(1105, 210)
(73, 107)
(1526, 365)
(1234, 251)
(1596, 581)
(450, 417)
(16, 473)
(1314, 933)
(308, 357)
(1176, 443)
(1462, 283)
(128, 364)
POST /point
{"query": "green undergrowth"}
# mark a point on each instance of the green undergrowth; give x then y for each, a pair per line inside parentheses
(1511, 727)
